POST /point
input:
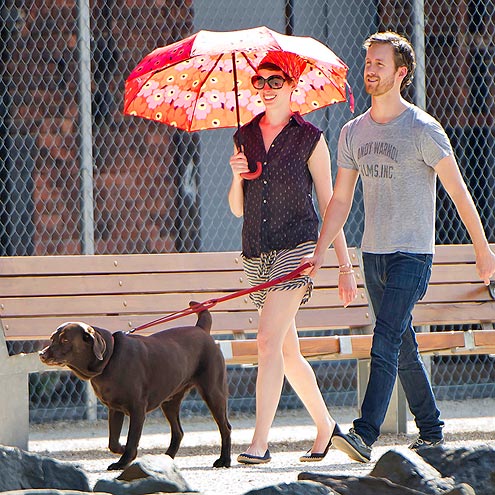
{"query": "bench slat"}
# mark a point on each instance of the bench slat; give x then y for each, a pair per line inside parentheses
(223, 321)
(148, 283)
(329, 347)
(451, 314)
(449, 293)
(130, 263)
(134, 263)
(454, 273)
(455, 253)
(158, 304)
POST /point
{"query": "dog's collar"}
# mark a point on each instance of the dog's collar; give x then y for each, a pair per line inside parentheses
(103, 363)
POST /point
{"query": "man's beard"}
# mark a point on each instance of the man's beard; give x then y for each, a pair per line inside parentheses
(379, 88)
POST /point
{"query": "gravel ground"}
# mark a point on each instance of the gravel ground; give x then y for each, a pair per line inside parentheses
(85, 444)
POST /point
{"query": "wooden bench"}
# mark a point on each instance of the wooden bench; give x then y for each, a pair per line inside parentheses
(121, 292)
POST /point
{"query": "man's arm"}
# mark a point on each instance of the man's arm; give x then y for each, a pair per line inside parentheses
(320, 168)
(454, 184)
(336, 214)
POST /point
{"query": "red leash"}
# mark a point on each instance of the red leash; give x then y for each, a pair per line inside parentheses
(212, 302)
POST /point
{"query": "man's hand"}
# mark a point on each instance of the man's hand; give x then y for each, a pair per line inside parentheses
(485, 265)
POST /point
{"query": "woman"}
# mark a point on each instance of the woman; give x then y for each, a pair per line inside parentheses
(280, 228)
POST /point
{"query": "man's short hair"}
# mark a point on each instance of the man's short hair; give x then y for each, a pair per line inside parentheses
(403, 52)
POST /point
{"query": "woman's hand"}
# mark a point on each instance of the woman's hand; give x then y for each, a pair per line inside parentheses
(239, 165)
(315, 261)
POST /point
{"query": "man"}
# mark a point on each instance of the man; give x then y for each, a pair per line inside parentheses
(398, 150)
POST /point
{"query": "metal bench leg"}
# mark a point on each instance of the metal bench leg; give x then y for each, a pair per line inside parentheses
(14, 412)
(396, 417)
(14, 389)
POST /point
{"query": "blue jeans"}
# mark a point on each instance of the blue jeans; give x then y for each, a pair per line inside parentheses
(395, 283)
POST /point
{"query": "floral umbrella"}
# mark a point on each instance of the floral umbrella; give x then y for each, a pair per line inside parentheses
(204, 81)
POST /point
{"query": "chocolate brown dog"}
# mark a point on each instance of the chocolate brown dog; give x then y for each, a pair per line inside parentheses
(134, 374)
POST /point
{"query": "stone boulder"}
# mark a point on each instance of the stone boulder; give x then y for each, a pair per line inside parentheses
(406, 468)
(363, 485)
(151, 474)
(474, 465)
(296, 488)
(22, 470)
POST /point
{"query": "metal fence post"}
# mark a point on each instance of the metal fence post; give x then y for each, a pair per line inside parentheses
(87, 206)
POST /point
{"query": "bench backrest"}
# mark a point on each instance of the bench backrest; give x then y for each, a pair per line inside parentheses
(120, 292)
(455, 294)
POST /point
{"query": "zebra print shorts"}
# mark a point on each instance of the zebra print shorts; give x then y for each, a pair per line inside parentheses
(274, 264)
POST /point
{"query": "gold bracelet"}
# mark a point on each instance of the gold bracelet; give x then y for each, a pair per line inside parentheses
(346, 265)
(348, 272)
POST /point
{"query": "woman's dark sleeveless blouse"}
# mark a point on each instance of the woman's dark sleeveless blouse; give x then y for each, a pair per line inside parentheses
(278, 206)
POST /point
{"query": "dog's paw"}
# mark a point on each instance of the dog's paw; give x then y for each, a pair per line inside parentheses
(117, 449)
(222, 463)
(117, 466)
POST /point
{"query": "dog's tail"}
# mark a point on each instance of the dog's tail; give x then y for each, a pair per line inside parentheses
(204, 318)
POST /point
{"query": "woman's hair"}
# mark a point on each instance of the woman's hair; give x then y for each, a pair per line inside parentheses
(403, 52)
(272, 66)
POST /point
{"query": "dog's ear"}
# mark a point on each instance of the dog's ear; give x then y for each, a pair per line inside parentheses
(99, 344)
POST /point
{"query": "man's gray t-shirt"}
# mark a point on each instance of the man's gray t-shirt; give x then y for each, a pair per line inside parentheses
(396, 164)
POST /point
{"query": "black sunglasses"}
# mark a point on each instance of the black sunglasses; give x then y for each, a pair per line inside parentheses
(275, 82)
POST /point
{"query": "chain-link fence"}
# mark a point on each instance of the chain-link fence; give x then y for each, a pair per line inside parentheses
(76, 176)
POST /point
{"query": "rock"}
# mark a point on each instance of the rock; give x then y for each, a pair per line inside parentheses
(151, 474)
(22, 470)
(406, 468)
(461, 489)
(49, 491)
(296, 488)
(364, 485)
(474, 466)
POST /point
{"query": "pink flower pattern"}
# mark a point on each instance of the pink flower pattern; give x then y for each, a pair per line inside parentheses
(243, 96)
(214, 98)
(148, 88)
(171, 93)
(317, 78)
(255, 105)
(299, 95)
(185, 99)
(200, 111)
(155, 99)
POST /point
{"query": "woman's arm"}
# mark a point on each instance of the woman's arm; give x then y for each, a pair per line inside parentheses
(239, 165)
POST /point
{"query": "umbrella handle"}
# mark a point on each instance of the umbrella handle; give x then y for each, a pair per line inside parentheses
(255, 174)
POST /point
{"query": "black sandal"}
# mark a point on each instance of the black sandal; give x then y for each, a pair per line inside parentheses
(319, 456)
(245, 458)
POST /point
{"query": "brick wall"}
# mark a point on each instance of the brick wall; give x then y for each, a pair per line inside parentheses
(133, 187)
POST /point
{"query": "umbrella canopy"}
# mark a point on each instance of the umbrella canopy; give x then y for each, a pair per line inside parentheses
(204, 81)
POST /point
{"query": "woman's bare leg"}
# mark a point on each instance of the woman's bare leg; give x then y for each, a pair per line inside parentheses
(276, 316)
(302, 378)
